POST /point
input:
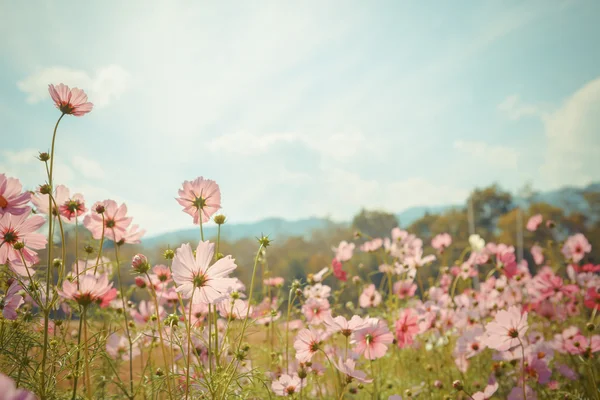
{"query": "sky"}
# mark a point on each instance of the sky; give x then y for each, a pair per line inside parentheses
(300, 109)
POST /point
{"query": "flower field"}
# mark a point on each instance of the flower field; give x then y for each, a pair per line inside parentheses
(486, 324)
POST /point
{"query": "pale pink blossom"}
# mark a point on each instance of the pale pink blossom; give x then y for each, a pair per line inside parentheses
(348, 368)
(487, 393)
(11, 301)
(145, 312)
(200, 196)
(162, 272)
(21, 229)
(132, 235)
(441, 242)
(113, 221)
(341, 324)
(534, 222)
(344, 251)
(117, 347)
(9, 390)
(316, 310)
(470, 343)
(405, 289)
(91, 289)
(74, 207)
(287, 385)
(199, 280)
(372, 245)
(576, 247)
(506, 330)
(275, 281)
(370, 297)
(12, 199)
(307, 343)
(372, 339)
(538, 254)
(70, 101)
(407, 327)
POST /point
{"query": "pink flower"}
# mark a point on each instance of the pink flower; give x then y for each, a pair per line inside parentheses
(307, 343)
(338, 272)
(146, 311)
(470, 343)
(372, 339)
(341, 324)
(348, 368)
(538, 254)
(344, 251)
(107, 298)
(441, 242)
(275, 281)
(73, 207)
(199, 280)
(63, 205)
(20, 229)
(576, 247)
(316, 310)
(12, 201)
(407, 328)
(534, 222)
(70, 101)
(113, 218)
(405, 289)
(372, 245)
(11, 392)
(487, 393)
(517, 393)
(287, 385)
(162, 272)
(507, 329)
(370, 297)
(592, 298)
(117, 347)
(91, 289)
(200, 196)
(11, 301)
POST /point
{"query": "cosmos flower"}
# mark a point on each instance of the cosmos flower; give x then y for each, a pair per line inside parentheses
(11, 392)
(70, 101)
(441, 242)
(407, 327)
(107, 215)
(200, 196)
(344, 251)
(21, 229)
(506, 330)
(12, 200)
(117, 347)
(534, 222)
(307, 343)
(91, 289)
(372, 339)
(11, 301)
(287, 385)
(575, 247)
(348, 368)
(199, 280)
(370, 297)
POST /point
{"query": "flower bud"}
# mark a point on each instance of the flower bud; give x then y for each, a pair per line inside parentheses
(19, 246)
(57, 263)
(140, 282)
(43, 156)
(99, 208)
(219, 219)
(88, 249)
(139, 263)
(45, 189)
(168, 254)
(590, 327)
(457, 385)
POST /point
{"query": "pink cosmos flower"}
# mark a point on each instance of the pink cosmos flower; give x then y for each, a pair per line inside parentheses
(341, 324)
(407, 327)
(199, 280)
(441, 242)
(11, 301)
(507, 329)
(275, 281)
(73, 207)
(70, 101)
(162, 272)
(338, 272)
(21, 229)
(372, 245)
(405, 289)
(487, 393)
(115, 220)
(470, 343)
(145, 311)
(592, 298)
(575, 247)
(370, 297)
(287, 385)
(538, 254)
(235, 309)
(517, 393)
(12, 201)
(316, 310)
(534, 222)
(10, 391)
(307, 344)
(344, 251)
(372, 339)
(132, 235)
(60, 203)
(117, 347)
(91, 289)
(200, 196)
(348, 368)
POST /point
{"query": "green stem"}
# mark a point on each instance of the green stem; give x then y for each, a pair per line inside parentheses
(189, 339)
(77, 356)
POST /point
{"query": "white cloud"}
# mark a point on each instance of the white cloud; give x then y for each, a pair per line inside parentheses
(87, 167)
(515, 109)
(244, 143)
(496, 155)
(573, 139)
(102, 87)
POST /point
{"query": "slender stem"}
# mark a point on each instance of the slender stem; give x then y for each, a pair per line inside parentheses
(287, 332)
(86, 361)
(523, 369)
(77, 356)
(215, 320)
(189, 340)
(209, 316)
(101, 245)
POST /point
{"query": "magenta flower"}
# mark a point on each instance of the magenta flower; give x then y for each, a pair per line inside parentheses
(307, 343)
(407, 327)
(372, 339)
(534, 222)
(91, 289)
(72, 208)
(287, 385)
(20, 229)
(70, 101)
(348, 368)
(506, 330)
(338, 271)
(441, 242)
(116, 220)
(12, 201)
(11, 392)
(370, 297)
(197, 279)
(575, 247)
(200, 196)
(11, 301)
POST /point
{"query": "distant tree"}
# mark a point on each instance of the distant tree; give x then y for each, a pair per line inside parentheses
(488, 205)
(374, 223)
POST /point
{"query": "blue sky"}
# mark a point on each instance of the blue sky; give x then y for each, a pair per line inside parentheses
(306, 108)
